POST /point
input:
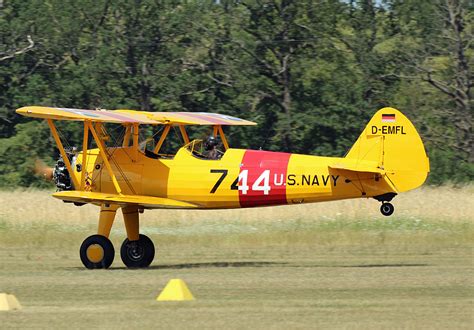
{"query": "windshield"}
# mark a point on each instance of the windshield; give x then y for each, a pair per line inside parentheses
(196, 147)
(203, 150)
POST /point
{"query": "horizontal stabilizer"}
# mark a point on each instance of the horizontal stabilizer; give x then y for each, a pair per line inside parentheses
(148, 202)
(364, 167)
(358, 166)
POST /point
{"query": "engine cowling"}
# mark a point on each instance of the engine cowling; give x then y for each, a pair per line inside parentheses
(61, 176)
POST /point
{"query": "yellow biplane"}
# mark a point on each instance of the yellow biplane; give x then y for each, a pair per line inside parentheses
(388, 158)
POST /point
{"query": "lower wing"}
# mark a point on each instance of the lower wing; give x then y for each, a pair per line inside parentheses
(147, 202)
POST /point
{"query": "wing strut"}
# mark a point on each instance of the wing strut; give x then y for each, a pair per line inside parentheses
(99, 143)
(162, 139)
(126, 137)
(85, 143)
(63, 153)
(224, 140)
(184, 134)
(217, 130)
(135, 142)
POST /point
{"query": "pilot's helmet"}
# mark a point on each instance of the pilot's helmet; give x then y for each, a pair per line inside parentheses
(210, 143)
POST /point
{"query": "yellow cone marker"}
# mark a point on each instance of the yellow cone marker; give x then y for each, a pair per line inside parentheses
(175, 290)
(8, 302)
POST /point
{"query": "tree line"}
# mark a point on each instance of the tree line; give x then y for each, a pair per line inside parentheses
(310, 73)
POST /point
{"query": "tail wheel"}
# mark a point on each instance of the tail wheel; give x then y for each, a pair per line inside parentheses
(137, 254)
(387, 209)
(97, 252)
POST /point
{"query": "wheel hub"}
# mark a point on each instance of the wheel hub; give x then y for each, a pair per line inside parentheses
(95, 253)
(135, 251)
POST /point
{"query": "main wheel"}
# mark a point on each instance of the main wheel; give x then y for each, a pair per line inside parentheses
(137, 254)
(97, 252)
(387, 209)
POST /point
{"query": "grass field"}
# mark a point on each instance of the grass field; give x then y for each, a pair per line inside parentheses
(328, 265)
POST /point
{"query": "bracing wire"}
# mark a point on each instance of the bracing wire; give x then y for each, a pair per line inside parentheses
(114, 161)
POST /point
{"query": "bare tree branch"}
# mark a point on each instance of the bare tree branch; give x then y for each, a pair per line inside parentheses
(219, 82)
(16, 52)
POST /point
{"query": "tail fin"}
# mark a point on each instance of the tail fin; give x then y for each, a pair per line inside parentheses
(392, 143)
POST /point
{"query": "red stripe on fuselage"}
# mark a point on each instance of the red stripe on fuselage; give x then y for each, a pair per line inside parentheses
(257, 162)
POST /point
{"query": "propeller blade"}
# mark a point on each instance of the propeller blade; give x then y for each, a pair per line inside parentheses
(43, 170)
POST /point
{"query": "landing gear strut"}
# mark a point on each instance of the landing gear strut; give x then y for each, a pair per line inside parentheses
(137, 250)
(387, 209)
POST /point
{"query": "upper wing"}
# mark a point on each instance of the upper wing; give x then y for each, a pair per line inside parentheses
(193, 118)
(100, 198)
(81, 115)
(132, 116)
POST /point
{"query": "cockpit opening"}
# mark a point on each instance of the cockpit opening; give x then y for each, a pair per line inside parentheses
(168, 139)
(205, 149)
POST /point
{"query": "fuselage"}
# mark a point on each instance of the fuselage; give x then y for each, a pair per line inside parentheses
(241, 178)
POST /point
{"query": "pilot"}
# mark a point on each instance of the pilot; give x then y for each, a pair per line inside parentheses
(210, 147)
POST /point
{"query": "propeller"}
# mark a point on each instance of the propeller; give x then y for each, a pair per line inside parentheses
(43, 170)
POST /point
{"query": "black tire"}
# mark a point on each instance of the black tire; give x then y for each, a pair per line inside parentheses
(387, 209)
(137, 254)
(97, 252)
